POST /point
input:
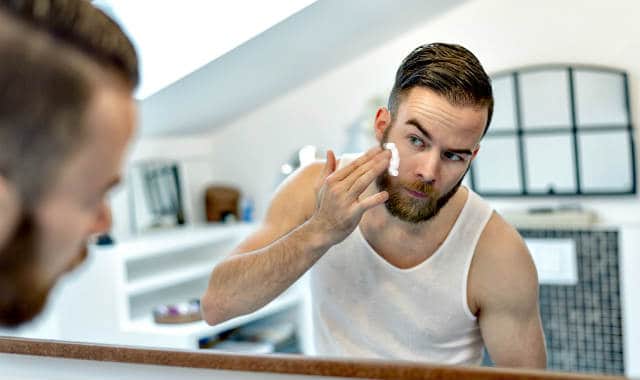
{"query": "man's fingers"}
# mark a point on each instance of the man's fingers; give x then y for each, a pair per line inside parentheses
(373, 200)
(364, 180)
(328, 168)
(347, 170)
(370, 170)
(330, 164)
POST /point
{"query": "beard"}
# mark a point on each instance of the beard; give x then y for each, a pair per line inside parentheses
(21, 295)
(410, 209)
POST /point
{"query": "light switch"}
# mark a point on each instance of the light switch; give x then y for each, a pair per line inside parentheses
(555, 260)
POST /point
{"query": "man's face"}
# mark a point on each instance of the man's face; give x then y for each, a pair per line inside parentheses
(52, 239)
(436, 143)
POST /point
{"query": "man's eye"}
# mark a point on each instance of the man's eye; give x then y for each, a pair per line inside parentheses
(415, 141)
(453, 156)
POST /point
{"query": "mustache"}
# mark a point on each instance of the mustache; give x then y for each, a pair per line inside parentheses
(422, 187)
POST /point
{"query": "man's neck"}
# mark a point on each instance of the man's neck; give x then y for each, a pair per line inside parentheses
(405, 244)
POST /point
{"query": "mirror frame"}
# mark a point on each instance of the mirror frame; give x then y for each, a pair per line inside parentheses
(275, 363)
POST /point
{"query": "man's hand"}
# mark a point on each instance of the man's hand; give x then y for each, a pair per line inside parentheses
(338, 206)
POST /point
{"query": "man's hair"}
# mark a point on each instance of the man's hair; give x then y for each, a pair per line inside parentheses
(80, 25)
(450, 71)
(52, 52)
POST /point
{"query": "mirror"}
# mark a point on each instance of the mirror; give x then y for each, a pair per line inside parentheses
(111, 298)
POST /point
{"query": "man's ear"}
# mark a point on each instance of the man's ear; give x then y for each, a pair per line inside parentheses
(475, 152)
(382, 122)
(9, 209)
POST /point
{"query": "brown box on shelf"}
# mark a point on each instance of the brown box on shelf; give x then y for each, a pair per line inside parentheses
(221, 201)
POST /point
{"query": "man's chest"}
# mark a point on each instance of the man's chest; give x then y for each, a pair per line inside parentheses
(404, 250)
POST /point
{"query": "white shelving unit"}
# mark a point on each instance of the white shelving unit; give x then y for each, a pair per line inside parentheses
(111, 297)
(192, 332)
(166, 279)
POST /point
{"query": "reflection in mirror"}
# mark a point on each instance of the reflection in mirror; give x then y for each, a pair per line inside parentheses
(587, 321)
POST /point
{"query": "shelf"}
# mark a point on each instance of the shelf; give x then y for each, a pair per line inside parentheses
(199, 329)
(169, 278)
(163, 242)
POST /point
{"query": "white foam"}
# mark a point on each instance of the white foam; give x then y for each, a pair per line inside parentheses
(394, 164)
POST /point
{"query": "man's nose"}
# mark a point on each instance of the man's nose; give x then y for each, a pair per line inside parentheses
(428, 168)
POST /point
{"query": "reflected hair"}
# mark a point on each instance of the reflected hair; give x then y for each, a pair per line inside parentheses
(83, 27)
(53, 52)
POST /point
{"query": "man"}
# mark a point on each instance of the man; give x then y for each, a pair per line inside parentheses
(412, 267)
(66, 115)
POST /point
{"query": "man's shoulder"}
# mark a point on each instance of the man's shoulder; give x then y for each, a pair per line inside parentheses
(500, 246)
(311, 171)
(500, 238)
(302, 177)
(502, 264)
(296, 194)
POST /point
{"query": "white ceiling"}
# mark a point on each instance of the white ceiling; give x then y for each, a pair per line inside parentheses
(314, 40)
(175, 38)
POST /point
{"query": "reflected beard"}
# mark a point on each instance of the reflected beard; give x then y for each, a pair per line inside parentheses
(409, 209)
(22, 296)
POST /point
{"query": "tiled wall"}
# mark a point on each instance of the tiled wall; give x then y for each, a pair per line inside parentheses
(583, 322)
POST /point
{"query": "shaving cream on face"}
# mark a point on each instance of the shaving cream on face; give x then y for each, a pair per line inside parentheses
(395, 159)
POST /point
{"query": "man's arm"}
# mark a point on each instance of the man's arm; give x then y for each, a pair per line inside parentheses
(506, 289)
(315, 209)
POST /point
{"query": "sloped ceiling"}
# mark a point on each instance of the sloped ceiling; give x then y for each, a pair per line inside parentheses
(322, 36)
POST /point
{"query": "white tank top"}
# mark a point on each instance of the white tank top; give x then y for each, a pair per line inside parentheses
(362, 306)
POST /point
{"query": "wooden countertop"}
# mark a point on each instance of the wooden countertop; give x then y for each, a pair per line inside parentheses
(284, 364)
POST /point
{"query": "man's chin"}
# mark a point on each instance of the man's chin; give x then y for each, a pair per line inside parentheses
(411, 217)
(20, 308)
(417, 210)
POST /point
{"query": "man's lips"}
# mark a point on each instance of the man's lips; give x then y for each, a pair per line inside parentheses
(416, 194)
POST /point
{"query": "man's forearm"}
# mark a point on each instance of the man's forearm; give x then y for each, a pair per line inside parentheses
(245, 282)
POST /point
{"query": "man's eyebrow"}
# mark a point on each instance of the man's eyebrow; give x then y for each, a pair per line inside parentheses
(417, 124)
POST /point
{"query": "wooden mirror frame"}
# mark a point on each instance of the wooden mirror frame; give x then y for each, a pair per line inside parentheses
(273, 364)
